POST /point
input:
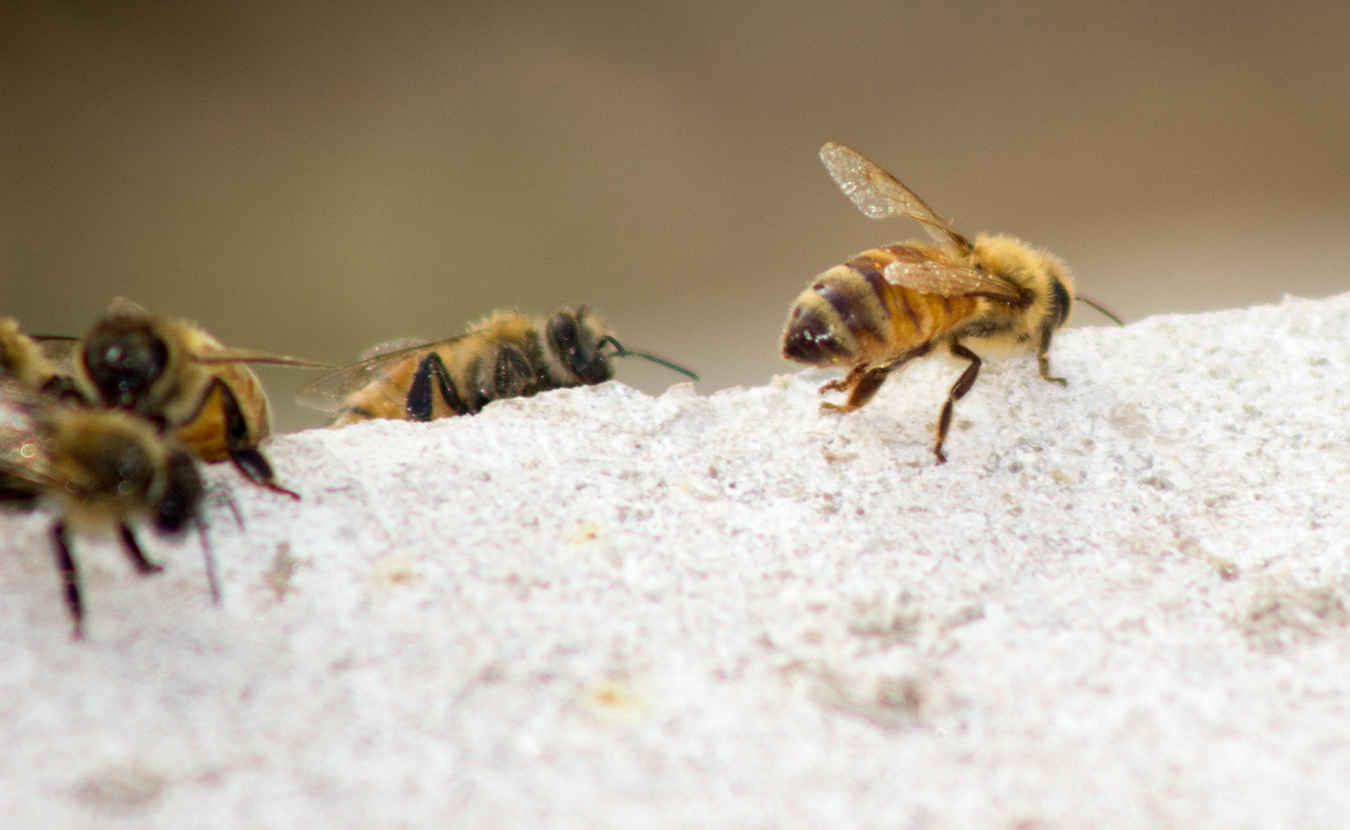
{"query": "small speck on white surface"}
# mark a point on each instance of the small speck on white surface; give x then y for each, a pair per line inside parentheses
(1122, 603)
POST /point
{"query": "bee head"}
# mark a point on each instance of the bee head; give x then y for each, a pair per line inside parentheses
(1060, 290)
(575, 338)
(1063, 303)
(112, 464)
(124, 357)
(182, 494)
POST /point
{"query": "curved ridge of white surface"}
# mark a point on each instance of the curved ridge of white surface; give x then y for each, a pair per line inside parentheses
(1125, 603)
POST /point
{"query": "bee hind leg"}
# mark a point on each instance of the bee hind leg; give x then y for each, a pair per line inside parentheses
(248, 459)
(845, 383)
(70, 578)
(864, 381)
(958, 391)
(863, 387)
(257, 469)
(430, 379)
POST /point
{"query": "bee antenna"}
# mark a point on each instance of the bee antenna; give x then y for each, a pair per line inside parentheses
(1100, 308)
(622, 352)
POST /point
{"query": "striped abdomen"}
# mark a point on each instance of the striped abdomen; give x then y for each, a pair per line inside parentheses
(851, 315)
(384, 397)
(455, 377)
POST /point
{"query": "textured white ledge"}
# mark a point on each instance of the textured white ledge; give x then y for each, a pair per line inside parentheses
(1123, 603)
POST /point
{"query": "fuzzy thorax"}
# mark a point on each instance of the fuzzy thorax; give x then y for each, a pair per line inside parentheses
(1044, 280)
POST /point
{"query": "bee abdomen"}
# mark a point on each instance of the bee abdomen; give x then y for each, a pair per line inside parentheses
(842, 317)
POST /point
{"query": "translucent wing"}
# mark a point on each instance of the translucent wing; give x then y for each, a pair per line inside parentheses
(58, 349)
(878, 194)
(399, 345)
(231, 355)
(928, 276)
(24, 453)
(122, 307)
(330, 391)
(62, 353)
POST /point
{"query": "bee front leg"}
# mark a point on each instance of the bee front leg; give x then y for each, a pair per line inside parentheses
(70, 578)
(1043, 359)
(958, 391)
(209, 561)
(513, 377)
(134, 552)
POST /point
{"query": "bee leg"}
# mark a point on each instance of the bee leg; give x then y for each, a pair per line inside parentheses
(70, 577)
(209, 559)
(959, 390)
(845, 383)
(256, 468)
(1043, 359)
(431, 378)
(513, 376)
(864, 388)
(864, 381)
(221, 495)
(250, 461)
(134, 552)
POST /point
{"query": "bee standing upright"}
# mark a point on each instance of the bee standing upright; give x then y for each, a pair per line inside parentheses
(890, 305)
(99, 467)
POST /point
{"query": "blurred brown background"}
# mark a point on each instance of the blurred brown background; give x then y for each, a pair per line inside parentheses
(314, 178)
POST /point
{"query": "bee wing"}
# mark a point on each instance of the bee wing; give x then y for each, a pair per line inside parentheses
(330, 391)
(24, 453)
(231, 355)
(122, 307)
(928, 276)
(878, 194)
(399, 345)
(60, 351)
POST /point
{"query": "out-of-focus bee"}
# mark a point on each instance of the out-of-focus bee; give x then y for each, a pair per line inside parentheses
(100, 467)
(890, 305)
(506, 355)
(175, 374)
(41, 363)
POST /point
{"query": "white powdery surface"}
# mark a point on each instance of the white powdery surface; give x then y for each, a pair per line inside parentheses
(1124, 603)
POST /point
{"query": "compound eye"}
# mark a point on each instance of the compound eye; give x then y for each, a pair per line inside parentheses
(573, 344)
(124, 362)
(1063, 302)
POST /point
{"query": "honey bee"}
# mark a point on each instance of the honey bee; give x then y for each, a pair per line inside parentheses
(506, 355)
(175, 374)
(100, 467)
(42, 363)
(890, 305)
